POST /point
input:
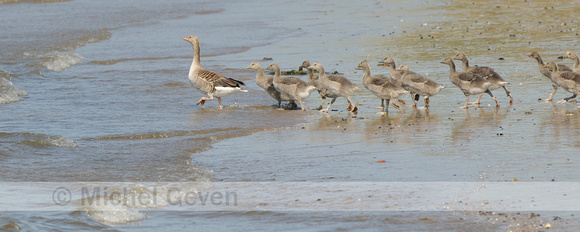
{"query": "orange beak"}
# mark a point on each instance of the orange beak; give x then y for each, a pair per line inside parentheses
(186, 39)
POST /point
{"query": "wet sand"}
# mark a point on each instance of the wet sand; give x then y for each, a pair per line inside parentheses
(484, 144)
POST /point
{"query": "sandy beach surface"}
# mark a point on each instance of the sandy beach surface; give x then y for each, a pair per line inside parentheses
(98, 93)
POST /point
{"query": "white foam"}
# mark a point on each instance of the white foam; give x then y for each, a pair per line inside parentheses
(9, 93)
(37, 139)
(122, 204)
(114, 214)
(58, 141)
(60, 61)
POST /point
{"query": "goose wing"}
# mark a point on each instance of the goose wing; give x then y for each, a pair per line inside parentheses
(290, 81)
(416, 78)
(379, 81)
(483, 71)
(564, 68)
(335, 78)
(571, 76)
(217, 79)
(346, 85)
(466, 76)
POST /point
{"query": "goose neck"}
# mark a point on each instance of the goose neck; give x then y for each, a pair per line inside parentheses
(260, 72)
(310, 74)
(452, 67)
(392, 66)
(277, 75)
(321, 70)
(367, 72)
(196, 56)
(465, 63)
(540, 61)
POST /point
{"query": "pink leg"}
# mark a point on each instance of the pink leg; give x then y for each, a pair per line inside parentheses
(203, 99)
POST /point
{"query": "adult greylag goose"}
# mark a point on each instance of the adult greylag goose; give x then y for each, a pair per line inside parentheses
(488, 73)
(420, 85)
(547, 73)
(266, 82)
(209, 82)
(573, 56)
(337, 86)
(568, 80)
(313, 79)
(468, 83)
(297, 89)
(381, 86)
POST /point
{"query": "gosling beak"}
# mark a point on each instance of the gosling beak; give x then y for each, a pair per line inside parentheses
(185, 39)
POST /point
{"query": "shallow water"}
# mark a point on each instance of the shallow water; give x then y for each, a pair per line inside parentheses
(100, 94)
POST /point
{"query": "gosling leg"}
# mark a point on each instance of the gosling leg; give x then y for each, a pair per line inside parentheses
(403, 103)
(492, 97)
(466, 102)
(385, 108)
(322, 103)
(509, 95)
(478, 101)
(329, 105)
(395, 105)
(350, 103)
(413, 100)
(566, 99)
(551, 94)
(301, 105)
